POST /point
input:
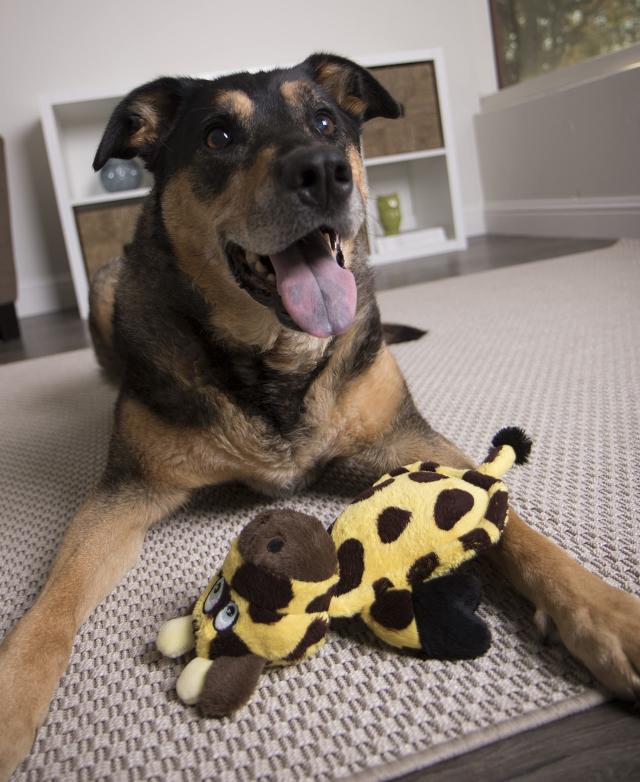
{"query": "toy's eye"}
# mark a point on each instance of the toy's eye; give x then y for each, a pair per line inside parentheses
(214, 596)
(226, 617)
(324, 124)
(275, 544)
(219, 138)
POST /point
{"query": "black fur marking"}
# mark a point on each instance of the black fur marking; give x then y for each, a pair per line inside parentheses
(447, 625)
(396, 333)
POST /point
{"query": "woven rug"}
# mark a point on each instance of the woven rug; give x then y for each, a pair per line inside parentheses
(551, 346)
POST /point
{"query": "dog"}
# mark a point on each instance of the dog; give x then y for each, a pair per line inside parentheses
(243, 330)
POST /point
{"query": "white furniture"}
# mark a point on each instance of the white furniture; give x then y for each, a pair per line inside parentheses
(426, 180)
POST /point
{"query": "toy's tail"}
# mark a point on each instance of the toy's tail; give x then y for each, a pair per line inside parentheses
(510, 445)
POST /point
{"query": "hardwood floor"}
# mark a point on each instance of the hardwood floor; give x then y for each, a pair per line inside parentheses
(58, 332)
(600, 744)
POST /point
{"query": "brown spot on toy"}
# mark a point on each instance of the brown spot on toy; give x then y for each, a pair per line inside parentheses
(321, 602)
(315, 633)
(398, 471)
(372, 490)
(497, 509)
(422, 568)
(393, 609)
(381, 585)
(351, 565)
(263, 615)
(392, 522)
(259, 586)
(479, 479)
(451, 506)
(475, 540)
(429, 466)
(227, 645)
(426, 477)
(493, 452)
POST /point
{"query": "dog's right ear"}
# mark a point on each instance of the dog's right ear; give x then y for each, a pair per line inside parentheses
(142, 120)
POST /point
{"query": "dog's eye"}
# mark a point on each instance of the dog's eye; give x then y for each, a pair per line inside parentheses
(219, 138)
(324, 124)
(226, 617)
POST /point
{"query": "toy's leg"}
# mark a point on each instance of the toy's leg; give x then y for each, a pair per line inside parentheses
(598, 623)
(191, 681)
(447, 625)
(176, 637)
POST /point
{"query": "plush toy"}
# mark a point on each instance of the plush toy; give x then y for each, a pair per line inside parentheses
(390, 559)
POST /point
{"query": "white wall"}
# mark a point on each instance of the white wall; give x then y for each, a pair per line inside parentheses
(560, 154)
(102, 46)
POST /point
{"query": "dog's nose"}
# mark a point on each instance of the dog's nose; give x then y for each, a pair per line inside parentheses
(318, 175)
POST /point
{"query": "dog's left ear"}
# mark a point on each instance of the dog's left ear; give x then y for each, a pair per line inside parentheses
(353, 88)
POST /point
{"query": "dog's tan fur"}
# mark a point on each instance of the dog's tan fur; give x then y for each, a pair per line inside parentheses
(359, 415)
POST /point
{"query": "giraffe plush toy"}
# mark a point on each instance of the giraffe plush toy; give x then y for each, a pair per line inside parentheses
(391, 558)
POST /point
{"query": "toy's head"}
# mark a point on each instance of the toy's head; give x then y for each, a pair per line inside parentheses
(267, 605)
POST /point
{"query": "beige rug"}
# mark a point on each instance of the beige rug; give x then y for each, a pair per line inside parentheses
(551, 346)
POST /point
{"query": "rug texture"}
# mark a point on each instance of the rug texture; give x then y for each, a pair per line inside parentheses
(551, 346)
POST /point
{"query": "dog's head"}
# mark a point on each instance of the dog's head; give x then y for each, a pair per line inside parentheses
(260, 181)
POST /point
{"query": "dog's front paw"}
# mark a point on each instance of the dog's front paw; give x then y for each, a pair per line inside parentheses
(601, 627)
(17, 728)
(30, 667)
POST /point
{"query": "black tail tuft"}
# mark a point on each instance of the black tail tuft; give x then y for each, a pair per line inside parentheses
(395, 333)
(517, 439)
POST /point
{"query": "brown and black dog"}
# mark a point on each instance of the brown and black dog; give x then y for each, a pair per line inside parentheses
(244, 332)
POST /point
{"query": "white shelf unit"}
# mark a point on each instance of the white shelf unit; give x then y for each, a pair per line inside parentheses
(426, 180)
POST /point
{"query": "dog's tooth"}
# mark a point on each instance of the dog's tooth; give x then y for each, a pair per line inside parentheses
(271, 277)
(261, 268)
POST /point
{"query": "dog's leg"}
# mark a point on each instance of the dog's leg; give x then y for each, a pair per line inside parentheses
(598, 623)
(100, 545)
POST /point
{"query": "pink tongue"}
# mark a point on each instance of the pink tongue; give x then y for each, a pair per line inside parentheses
(319, 295)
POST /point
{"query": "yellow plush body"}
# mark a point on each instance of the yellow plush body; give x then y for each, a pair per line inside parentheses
(391, 558)
(422, 549)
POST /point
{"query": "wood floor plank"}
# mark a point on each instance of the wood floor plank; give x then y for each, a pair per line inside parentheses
(602, 743)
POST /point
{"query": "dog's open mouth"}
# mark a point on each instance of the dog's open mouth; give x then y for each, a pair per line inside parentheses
(308, 277)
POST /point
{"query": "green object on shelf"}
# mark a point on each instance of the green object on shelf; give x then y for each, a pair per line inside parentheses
(390, 214)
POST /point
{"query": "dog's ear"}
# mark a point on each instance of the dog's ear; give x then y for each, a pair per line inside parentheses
(141, 121)
(353, 88)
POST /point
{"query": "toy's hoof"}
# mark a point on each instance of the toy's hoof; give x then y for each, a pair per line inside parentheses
(191, 681)
(176, 637)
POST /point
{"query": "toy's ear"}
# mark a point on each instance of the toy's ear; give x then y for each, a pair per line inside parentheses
(142, 120)
(229, 683)
(352, 87)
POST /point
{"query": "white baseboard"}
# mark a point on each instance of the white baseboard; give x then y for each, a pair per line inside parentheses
(615, 217)
(474, 220)
(48, 294)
